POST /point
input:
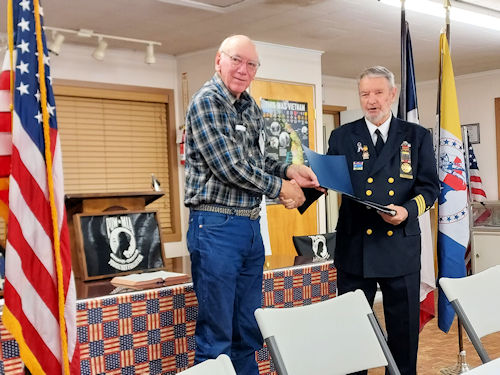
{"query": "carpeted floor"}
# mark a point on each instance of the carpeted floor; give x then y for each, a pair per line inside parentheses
(439, 350)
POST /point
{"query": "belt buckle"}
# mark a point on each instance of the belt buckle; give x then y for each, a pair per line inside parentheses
(255, 213)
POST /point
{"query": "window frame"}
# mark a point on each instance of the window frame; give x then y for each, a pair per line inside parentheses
(145, 94)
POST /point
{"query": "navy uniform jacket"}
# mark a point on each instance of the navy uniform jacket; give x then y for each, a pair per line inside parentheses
(366, 244)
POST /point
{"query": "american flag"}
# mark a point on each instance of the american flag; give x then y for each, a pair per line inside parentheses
(477, 195)
(5, 137)
(40, 299)
(476, 184)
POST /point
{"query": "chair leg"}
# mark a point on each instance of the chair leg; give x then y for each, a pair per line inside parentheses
(474, 338)
(380, 326)
(391, 363)
(276, 356)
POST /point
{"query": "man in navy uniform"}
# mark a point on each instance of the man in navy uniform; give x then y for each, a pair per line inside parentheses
(391, 162)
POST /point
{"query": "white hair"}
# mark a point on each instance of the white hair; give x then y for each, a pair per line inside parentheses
(378, 71)
(230, 39)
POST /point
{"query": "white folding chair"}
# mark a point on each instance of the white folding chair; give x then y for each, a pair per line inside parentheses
(334, 337)
(489, 368)
(220, 366)
(476, 300)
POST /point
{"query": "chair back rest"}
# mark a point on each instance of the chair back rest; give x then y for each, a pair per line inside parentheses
(479, 296)
(332, 337)
(222, 365)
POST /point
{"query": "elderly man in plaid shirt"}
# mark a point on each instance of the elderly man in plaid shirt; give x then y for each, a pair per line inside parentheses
(227, 172)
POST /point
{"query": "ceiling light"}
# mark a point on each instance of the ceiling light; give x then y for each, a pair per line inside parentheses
(456, 14)
(100, 51)
(150, 54)
(84, 33)
(57, 41)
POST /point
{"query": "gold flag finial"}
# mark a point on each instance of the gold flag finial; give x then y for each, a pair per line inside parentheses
(446, 4)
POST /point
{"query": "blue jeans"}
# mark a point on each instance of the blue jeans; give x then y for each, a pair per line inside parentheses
(227, 259)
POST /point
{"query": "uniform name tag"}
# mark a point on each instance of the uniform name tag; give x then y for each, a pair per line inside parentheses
(262, 142)
(357, 165)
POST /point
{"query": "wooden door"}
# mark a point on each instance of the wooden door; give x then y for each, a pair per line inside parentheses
(283, 223)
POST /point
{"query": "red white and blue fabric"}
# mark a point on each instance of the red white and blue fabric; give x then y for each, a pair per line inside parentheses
(5, 136)
(477, 194)
(32, 311)
(152, 331)
(476, 184)
(427, 273)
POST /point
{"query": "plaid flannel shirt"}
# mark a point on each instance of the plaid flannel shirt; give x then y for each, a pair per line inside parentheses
(224, 162)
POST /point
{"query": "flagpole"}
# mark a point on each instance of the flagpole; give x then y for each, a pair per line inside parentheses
(402, 93)
(447, 6)
(461, 367)
(465, 137)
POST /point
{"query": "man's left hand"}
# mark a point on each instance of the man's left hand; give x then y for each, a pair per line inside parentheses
(304, 176)
(401, 215)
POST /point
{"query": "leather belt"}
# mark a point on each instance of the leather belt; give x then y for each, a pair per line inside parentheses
(252, 213)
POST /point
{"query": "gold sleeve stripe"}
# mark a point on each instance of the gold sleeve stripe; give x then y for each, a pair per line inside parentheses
(422, 205)
(419, 199)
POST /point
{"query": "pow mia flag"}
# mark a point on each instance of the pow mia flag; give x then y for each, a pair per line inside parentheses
(318, 247)
(124, 255)
(121, 242)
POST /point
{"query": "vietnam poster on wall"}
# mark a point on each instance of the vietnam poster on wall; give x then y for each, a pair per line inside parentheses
(287, 129)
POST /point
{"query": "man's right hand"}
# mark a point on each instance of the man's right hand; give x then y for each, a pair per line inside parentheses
(291, 195)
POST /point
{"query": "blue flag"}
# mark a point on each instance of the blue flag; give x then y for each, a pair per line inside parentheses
(411, 88)
(453, 235)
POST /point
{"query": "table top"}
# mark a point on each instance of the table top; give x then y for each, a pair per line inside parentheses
(488, 368)
(103, 287)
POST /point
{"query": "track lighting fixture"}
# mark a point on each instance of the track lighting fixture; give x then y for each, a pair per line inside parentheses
(150, 54)
(55, 45)
(102, 44)
(100, 51)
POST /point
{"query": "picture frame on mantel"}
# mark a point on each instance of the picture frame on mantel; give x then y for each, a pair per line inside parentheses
(115, 243)
(473, 131)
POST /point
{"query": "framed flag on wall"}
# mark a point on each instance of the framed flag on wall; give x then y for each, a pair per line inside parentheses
(118, 243)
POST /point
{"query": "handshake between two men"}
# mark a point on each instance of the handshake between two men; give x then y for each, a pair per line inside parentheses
(291, 194)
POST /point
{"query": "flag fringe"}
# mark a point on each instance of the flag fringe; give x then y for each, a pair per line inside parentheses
(50, 181)
(14, 327)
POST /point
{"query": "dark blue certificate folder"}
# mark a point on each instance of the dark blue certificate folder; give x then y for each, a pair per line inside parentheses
(332, 173)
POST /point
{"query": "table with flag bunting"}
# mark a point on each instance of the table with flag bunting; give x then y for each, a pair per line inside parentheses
(152, 331)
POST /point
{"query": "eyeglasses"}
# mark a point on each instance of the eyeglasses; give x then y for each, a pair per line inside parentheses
(236, 61)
